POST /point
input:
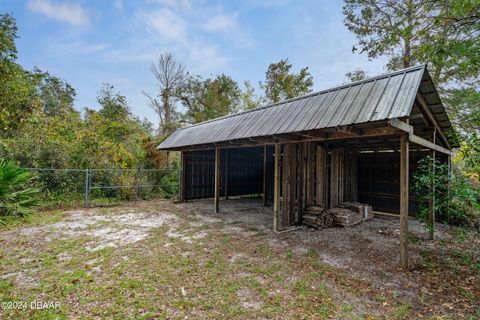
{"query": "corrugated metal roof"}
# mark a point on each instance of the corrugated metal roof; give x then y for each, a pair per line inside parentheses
(383, 97)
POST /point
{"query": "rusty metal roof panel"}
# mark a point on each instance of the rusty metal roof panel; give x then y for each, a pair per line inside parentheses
(383, 97)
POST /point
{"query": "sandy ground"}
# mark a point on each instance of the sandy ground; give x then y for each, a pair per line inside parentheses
(368, 251)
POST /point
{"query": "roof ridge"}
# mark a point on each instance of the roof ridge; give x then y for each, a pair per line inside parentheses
(312, 94)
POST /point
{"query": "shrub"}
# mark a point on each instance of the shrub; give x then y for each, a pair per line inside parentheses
(16, 197)
(457, 199)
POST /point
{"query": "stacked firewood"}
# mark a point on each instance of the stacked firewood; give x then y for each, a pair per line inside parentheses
(364, 210)
(345, 217)
(346, 214)
(317, 217)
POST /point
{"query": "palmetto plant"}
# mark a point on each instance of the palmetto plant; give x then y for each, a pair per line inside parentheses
(16, 197)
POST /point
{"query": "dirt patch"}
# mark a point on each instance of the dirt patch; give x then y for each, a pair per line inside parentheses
(181, 260)
(368, 251)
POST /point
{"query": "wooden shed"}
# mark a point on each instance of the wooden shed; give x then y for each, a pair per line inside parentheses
(356, 142)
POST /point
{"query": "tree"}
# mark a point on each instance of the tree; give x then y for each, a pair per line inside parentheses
(444, 34)
(356, 75)
(56, 96)
(280, 84)
(210, 98)
(18, 97)
(170, 75)
(8, 34)
(249, 99)
(113, 105)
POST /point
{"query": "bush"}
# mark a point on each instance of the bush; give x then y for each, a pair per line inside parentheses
(16, 197)
(457, 199)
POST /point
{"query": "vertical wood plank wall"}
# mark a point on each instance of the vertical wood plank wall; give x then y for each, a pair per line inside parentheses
(343, 176)
(305, 178)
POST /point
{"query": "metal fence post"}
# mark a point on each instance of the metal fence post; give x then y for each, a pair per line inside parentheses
(87, 187)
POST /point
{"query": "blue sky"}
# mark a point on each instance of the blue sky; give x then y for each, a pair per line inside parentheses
(88, 43)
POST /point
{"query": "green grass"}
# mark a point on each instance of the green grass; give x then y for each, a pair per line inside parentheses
(150, 279)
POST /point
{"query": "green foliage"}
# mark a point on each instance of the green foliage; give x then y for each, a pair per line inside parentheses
(356, 75)
(444, 34)
(456, 198)
(250, 100)
(56, 96)
(464, 109)
(16, 198)
(17, 92)
(280, 84)
(8, 34)
(209, 98)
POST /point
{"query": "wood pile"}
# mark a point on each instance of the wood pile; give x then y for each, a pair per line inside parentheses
(346, 214)
(317, 217)
(364, 210)
(345, 217)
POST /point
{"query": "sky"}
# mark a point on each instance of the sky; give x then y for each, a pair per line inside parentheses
(88, 43)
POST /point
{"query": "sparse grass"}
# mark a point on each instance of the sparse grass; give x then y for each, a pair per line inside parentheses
(223, 275)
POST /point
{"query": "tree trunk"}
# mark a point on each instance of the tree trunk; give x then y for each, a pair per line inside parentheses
(407, 53)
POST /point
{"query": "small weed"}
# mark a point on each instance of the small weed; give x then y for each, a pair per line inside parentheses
(402, 311)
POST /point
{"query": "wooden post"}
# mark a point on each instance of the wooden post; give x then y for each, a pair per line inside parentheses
(217, 180)
(293, 182)
(334, 176)
(404, 201)
(276, 187)
(431, 211)
(226, 174)
(182, 177)
(321, 177)
(300, 181)
(449, 160)
(264, 176)
(286, 185)
(310, 174)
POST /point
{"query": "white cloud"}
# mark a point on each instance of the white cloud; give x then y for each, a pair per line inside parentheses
(176, 4)
(74, 47)
(118, 4)
(71, 13)
(201, 34)
(165, 22)
(221, 22)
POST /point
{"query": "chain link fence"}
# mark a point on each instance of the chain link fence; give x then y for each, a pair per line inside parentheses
(96, 187)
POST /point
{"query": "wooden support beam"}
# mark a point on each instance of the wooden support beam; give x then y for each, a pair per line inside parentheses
(423, 106)
(286, 185)
(226, 174)
(396, 123)
(321, 176)
(431, 211)
(217, 180)
(264, 192)
(182, 181)
(424, 142)
(416, 139)
(293, 183)
(354, 176)
(404, 200)
(301, 179)
(334, 176)
(349, 130)
(449, 164)
(276, 187)
(310, 174)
